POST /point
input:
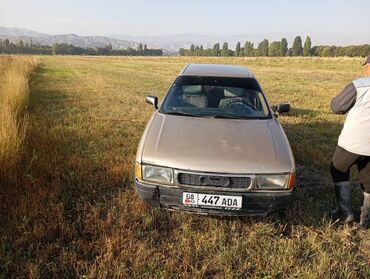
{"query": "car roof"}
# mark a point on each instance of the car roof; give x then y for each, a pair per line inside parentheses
(216, 70)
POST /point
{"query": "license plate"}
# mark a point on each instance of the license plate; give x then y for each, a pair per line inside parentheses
(211, 201)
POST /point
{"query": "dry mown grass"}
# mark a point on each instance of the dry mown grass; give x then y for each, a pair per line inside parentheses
(73, 211)
(14, 97)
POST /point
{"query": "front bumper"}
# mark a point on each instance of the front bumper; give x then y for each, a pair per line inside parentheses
(253, 203)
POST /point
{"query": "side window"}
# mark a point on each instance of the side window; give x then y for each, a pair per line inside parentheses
(259, 102)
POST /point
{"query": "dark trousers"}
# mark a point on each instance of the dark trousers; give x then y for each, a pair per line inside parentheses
(341, 163)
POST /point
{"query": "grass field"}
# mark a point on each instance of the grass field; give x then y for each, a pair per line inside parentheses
(73, 211)
(14, 97)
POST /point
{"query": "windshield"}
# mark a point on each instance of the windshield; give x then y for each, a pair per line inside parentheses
(216, 97)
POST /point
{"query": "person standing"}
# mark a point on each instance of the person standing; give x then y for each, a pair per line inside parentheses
(353, 147)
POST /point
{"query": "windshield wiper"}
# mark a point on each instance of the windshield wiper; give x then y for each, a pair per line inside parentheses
(236, 117)
(221, 116)
(181, 113)
(226, 116)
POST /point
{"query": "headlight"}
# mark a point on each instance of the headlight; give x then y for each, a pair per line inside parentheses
(273, 181)
(158, 174)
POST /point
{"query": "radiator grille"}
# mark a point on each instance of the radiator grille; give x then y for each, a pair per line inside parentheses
(213, 180)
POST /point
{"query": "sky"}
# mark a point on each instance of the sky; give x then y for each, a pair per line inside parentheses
(164, 17)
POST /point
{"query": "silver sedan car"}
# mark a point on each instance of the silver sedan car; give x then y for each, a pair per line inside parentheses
(215, 146)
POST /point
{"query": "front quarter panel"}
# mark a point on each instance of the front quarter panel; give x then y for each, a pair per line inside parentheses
(289, 148)
(282, 145)
(140, 147)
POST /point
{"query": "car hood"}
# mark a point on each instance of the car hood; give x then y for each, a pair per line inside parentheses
(217, 145)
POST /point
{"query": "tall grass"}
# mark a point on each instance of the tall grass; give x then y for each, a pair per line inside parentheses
(14, 97)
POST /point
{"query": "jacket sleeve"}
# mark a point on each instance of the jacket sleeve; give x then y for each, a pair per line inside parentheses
(345, 100)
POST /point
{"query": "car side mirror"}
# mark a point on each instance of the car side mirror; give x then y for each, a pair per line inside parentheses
(152, 100)
(281, 108)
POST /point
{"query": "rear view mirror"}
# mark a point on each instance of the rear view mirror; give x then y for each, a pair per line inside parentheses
(281, 108)
(152, 100)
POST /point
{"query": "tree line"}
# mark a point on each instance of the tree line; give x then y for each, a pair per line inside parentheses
(67, 49)
(277, 48)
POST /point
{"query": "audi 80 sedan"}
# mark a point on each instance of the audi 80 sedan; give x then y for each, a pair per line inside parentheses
(215, 146)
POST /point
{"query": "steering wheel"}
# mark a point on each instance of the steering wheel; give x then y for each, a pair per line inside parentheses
(237, 100)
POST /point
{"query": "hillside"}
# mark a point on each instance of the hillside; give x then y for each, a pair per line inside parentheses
(17, 34)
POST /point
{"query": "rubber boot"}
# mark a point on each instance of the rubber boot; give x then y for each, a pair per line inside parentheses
(344, 199)
(365, 211)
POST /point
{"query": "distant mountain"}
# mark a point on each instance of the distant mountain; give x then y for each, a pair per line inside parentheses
(174, 42)
(17, 34)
